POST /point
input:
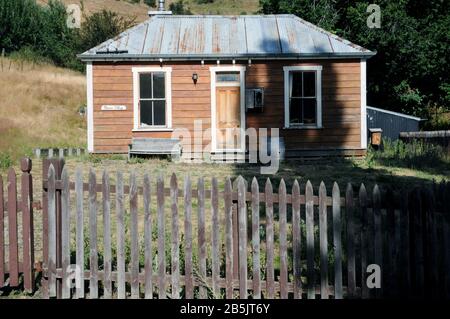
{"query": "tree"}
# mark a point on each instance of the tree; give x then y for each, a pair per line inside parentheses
(102, 26)
(320, 12)
(410, 71)
(179, 8)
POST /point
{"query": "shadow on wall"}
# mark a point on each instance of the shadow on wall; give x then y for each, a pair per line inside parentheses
(341, 101)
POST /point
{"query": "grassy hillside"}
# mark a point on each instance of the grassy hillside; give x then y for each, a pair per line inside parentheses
(39, 108)
(139, 10)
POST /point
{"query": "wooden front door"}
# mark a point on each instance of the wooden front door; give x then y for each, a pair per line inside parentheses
(228, 118)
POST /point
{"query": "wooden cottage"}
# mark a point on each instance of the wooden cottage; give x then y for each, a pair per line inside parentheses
(226, 73)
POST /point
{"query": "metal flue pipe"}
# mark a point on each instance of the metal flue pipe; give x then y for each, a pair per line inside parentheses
(161, 5)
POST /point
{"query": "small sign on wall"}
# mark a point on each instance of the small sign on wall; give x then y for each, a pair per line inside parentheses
(114, 107)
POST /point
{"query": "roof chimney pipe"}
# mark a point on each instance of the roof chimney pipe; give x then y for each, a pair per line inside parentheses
(161, 10)
(161, 5)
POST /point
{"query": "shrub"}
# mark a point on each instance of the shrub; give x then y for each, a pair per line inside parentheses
(102, 26)
(416, 154)
(150, 3)
(5, 160)
(178, 8)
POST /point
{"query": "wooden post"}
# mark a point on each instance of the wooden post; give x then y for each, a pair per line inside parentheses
(351, 264)
(12, 229)
(242, 215)
(65, 215)
(161, 238)
(175, 238)
(106, 235)
(51, 232)
(79, 231)
(58, 165)
(364, 240)
(215, 241)
(323, 229)
(134, 269)
(229, 238)
(309, 206)
(120, 215)
(148, 238)
(93, 256)
(378, 240)
(201, 238)
(337, 242)
(256, 240)
(188, 238)
(27, 224)
(296, 238)
(270, 275)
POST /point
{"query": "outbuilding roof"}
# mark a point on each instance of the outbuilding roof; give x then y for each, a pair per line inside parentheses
(206, 37)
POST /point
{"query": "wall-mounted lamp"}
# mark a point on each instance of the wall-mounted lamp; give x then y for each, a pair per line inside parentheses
(161, 62)
(203, 63)
(249, 62)
(195, 78)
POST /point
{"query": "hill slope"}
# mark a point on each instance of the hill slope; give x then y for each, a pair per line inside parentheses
(140, 10)
(39, 107)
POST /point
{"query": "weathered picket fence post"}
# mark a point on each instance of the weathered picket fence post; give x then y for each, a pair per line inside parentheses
(58, 165)
(27, 224)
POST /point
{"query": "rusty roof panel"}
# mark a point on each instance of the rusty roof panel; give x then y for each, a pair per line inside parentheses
(218, 36)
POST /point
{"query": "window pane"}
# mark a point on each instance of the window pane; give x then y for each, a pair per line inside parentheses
(160, 112)
(309, 111)
(295, 111)
(146, 85)
(146, 113)
(159, 87)
(227, 77)
(297, 90)
(309, 84)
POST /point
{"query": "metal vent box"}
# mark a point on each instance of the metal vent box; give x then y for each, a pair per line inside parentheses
(254, 98)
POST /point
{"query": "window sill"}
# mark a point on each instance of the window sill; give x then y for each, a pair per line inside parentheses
(156, 129)
(303, 128)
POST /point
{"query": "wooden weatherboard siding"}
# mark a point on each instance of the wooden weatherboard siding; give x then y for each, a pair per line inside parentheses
(341, 103)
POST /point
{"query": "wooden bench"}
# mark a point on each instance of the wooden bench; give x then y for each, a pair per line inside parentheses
(155, 146)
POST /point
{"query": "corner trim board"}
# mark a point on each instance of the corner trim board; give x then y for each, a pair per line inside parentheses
(90, 106)
(363, 104)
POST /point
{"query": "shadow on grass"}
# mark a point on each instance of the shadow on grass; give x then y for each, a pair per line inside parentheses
(342, 171)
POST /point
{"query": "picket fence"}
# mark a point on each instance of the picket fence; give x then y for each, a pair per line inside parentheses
(17, 245)
(258, 244)
(263, 244)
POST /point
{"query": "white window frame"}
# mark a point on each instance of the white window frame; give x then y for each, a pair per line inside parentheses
(241, 84)
(287, 72)
(136, 96)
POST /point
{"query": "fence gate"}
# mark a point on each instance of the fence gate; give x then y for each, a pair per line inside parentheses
(145, 240)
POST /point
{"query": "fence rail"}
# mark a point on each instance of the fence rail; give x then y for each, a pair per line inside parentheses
(259, 243)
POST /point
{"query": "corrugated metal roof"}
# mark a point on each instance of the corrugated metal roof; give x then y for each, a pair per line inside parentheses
(203, 37)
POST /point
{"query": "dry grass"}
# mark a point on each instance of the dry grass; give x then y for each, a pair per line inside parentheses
(39, 107)
(139, 10)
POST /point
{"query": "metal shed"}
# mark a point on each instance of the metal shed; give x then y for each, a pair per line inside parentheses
(392, 123)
